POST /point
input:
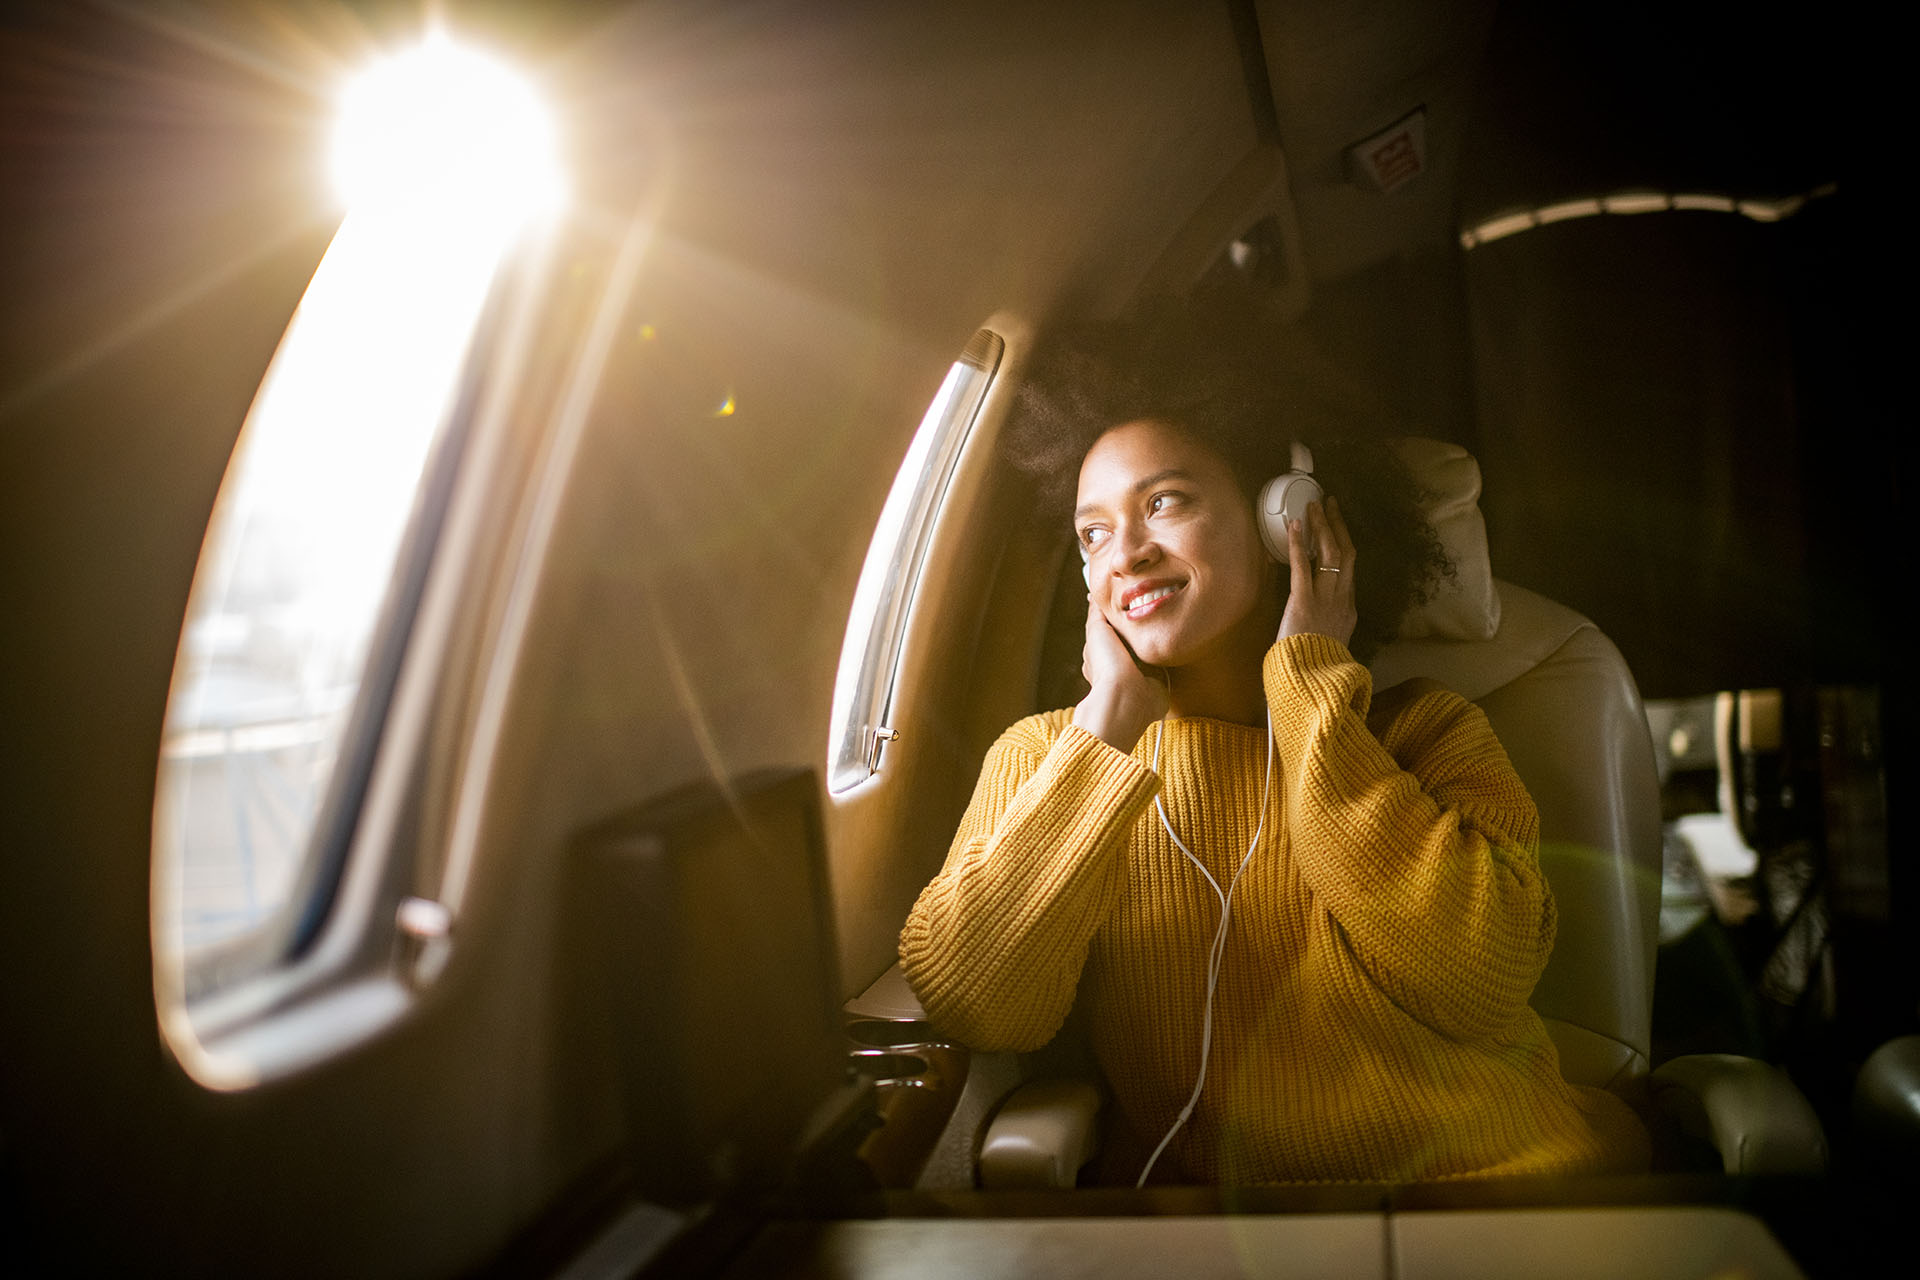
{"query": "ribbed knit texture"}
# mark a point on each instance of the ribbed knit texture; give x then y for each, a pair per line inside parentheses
(1371, 1021)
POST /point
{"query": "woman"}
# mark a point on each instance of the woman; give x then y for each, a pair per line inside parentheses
(1303, 918)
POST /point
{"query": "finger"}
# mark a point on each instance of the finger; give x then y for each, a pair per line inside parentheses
(1299, 564)
(1120, 641)
(1342, 537)
(1104, 644)
(1327, 547)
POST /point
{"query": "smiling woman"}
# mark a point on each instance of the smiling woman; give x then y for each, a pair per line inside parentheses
(1367, 1011)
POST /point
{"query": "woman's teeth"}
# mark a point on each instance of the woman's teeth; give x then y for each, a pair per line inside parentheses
(1141, 603)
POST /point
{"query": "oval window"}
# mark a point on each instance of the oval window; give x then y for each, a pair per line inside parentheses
(326, 519)
(869, 658)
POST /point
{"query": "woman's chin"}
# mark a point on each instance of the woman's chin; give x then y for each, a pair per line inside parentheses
(1168, 649)
(1155, 654)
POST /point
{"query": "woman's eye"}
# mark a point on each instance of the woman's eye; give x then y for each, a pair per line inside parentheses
(1091, 538)
(1160, 502)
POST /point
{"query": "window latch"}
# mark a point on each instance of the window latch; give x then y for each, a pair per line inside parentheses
(882, 735)
(426, 937)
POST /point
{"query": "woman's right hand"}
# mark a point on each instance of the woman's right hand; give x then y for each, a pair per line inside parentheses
(1123, 699)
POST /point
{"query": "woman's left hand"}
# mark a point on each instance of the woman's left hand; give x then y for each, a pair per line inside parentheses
(1320, 561)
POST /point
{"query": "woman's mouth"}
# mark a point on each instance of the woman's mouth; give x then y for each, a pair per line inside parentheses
(1139, 604)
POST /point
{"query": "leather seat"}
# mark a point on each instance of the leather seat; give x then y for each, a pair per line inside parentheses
(1566, 709)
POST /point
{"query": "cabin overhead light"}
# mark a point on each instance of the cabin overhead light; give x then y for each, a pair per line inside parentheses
(1633, 202)
(446, 131)
(1706, 203)
(1771, 210)
(1500, 228)
(1638, 202)
(1565, 210)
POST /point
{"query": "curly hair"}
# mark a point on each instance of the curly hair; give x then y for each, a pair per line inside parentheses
(1248, 405)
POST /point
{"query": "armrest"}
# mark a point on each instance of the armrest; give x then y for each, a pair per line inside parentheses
(1886, 1101)
(1041, 1136)
(1752, 1113)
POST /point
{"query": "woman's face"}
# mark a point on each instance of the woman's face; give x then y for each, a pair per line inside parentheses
(1174, 561)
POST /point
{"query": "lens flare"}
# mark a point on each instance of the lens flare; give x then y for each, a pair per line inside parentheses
(445, 130)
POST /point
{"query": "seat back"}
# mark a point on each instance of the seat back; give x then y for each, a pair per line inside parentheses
(1566, 709)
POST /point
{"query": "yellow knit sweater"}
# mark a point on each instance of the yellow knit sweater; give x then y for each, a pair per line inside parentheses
(1371, 1020)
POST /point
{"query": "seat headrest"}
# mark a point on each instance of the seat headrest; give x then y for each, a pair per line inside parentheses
(1465, 606)
(1532, 629)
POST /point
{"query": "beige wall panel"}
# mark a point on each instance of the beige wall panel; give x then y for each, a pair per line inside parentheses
(842, 204)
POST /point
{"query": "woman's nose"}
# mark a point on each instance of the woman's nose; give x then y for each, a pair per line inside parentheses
(1133, 548)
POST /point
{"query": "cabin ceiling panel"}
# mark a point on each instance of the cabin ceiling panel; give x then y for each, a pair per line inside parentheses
(1341, 72)
(933, 163)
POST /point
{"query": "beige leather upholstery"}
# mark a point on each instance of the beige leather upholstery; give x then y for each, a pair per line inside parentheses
(1566, 708)
(1886, 1099)
(1752, 1113)
(1465, 606)
(1041, 1137)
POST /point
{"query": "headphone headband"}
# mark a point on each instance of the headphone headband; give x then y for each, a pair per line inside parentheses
(1284, 499)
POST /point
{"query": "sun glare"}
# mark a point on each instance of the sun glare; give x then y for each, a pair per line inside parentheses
(445, 159)
(446, 128)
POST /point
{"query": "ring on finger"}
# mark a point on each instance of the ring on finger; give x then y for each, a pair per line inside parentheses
(1325, 568)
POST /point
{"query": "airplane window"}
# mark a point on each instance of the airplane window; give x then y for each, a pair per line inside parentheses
(301, 596)
(863, 689)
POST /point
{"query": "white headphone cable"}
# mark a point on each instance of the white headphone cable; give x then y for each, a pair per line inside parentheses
(1218, 951)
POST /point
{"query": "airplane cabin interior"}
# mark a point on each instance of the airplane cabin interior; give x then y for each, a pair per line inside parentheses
(511, 569)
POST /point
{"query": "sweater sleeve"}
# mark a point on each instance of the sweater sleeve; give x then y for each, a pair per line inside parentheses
(1422, 842)
(994, 946)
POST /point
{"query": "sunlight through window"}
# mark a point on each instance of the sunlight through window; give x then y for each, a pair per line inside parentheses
(870, 655)
(444, 158)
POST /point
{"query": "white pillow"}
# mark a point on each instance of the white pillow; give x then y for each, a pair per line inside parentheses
(1464, 607)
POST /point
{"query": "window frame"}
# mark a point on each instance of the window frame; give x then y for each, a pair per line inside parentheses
(868, 676)
(319, 973)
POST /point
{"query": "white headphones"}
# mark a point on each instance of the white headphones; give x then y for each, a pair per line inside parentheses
(1217, 953)
(1282, 500)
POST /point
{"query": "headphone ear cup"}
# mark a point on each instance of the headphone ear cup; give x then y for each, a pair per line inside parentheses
(1283, 500)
